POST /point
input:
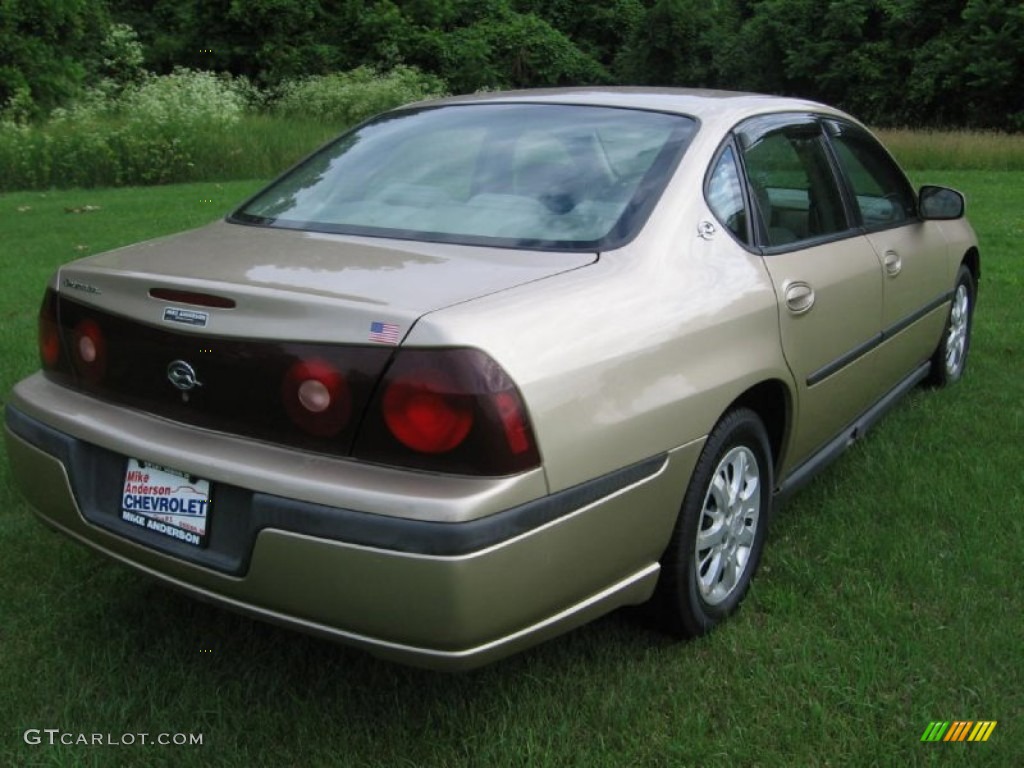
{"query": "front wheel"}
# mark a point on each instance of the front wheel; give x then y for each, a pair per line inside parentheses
(950, 356)
(718, 538)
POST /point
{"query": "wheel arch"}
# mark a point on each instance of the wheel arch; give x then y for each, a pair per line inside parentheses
(772, 401)
(972, 260)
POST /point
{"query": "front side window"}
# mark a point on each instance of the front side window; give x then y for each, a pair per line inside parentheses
(793, 186)
(545, 176)
(883, 196)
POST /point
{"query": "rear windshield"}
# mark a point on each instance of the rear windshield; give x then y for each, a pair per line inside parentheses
(538, 176)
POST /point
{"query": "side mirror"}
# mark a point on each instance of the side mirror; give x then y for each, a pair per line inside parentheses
(940, 203)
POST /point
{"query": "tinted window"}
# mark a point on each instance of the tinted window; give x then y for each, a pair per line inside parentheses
(793, 185)
(725, 195)
(883, 196)
(528, 175)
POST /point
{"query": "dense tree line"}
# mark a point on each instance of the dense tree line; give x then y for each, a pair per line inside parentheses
(908, 62)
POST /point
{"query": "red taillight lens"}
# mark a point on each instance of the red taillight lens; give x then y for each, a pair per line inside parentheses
(426, 412)
(49, 345)
(448, 410)
(317, 398)
(89, 350)
(513, 421)
(49, 332)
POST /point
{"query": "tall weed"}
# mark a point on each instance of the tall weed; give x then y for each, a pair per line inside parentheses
(346, 98)
(151, 131)
(193, 126)
(955, 150)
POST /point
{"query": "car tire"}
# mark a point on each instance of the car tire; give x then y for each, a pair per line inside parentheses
(950, 358)
(718, 538)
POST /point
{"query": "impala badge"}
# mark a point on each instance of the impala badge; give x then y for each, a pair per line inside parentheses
(78, 285)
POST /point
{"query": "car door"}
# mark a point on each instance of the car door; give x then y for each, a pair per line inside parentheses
(826, 276)
(913, 252)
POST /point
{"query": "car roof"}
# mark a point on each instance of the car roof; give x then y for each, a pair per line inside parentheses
(702, 104)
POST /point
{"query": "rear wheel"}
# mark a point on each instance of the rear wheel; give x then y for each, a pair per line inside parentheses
(718, 538)
(950, 356)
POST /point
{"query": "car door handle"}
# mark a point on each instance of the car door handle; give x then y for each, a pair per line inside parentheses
(799, 297)
(893, 263)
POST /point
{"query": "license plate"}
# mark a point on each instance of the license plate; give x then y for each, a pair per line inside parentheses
(167, 502)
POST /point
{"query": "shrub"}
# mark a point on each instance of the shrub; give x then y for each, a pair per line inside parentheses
(21, 162)
(192, 125)
(122, 55)
(182, 100)
(347, 98)
(153, 130)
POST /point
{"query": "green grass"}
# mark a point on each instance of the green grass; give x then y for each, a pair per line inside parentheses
(890, 595)
(955, 150)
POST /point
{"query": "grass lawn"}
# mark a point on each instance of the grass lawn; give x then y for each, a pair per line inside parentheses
(890, 594)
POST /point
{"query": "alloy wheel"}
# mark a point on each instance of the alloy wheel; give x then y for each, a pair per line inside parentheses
(728, 525)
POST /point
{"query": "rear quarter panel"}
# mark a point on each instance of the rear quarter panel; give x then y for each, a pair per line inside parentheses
(636, 354)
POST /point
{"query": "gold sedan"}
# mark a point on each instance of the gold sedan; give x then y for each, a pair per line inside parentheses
(485, 368)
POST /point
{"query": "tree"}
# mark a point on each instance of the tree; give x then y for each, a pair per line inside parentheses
(677, 42)
(600, 30)
(915, 62)
(47, 47)
(994, 70)
(477, 44)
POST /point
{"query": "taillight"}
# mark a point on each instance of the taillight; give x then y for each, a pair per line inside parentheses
(454, 411)
(89, 350)
(513, 421)
(426, 412)
(49, 332)
(448, 410)
(317, 398)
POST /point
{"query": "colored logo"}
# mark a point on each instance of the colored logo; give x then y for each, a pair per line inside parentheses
(385, 333)
(959, 730)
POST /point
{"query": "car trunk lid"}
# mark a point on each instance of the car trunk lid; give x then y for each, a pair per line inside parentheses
(281, 336)
(256, 282)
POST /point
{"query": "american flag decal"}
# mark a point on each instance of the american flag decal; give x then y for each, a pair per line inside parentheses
(385, 333)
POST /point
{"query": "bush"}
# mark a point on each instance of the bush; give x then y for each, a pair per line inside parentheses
(122, 55)
(347, 98)
(181, 101)
(192, 125)
(151, 131)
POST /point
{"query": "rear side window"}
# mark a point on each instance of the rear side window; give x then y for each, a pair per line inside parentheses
(882, 194)
(793, 186)
(725, 195)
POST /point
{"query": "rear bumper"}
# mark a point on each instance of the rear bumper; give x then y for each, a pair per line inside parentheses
(447, 595)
